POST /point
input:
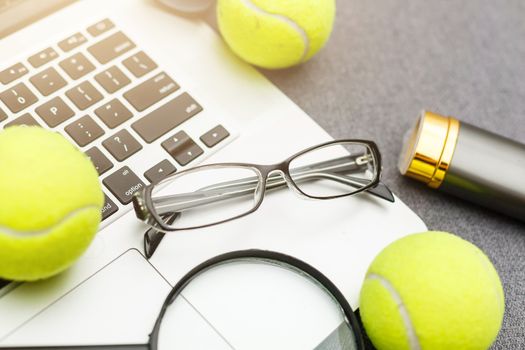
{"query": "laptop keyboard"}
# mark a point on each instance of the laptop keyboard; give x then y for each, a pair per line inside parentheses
(104, 93)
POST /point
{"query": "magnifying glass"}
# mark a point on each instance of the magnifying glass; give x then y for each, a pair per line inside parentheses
(188, 6)
(252, 299)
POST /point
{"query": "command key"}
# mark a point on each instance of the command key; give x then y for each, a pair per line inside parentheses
(123, 183)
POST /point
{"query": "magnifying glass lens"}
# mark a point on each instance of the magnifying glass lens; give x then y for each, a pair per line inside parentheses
(255, 304)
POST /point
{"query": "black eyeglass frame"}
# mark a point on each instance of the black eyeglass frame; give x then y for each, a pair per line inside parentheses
(145, 209)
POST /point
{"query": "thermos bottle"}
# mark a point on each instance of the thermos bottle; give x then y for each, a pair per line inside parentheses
(466, 161)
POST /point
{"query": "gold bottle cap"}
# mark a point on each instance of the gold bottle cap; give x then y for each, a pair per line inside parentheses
(428, 148)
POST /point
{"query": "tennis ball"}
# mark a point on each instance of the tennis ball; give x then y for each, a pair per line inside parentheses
(431, 291)
(275, 33)
(50, 203)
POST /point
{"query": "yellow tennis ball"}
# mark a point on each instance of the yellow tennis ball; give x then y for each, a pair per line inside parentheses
(431, 291)
(276, 33)
(50, 203)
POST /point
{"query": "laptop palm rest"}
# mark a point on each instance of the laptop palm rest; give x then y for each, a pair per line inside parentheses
(117, 305)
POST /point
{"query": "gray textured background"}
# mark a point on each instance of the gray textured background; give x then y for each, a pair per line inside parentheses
(387, 60)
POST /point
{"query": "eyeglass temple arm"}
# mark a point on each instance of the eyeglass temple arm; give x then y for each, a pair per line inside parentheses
(241, 187)
(177, 203)
(80, 347)
(336, 165)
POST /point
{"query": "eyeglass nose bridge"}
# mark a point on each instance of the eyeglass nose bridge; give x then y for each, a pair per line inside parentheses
(274, 175)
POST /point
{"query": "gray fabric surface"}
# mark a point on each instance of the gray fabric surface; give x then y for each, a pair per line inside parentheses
(389, 59)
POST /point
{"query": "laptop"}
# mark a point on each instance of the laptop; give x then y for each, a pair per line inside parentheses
(118, 79)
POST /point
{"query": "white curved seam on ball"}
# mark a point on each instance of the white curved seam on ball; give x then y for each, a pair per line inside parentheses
(26, 234)
(289, 21)
(409, 327)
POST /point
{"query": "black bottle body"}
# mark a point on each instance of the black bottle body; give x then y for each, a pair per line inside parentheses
(487, 169)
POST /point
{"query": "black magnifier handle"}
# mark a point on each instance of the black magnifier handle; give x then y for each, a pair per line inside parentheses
(81, 347)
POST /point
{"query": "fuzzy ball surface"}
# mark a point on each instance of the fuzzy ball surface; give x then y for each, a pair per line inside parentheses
(275, 33)
(432, 291)
(50, 203)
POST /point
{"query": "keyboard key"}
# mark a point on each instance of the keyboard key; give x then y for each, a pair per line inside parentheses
(151, 91)
(113, 113)
(43, 57)
(112, 79)
(12, 73)
(54, 112)
(100, 27)
(123, 184)
(72, 42)
(84, 95)
(84, 130)
(109, 208)
(160, 171)
(182, 148)
(18, 97)
(100, 161)
(3, 115)
(122, 145)
(139, 64)
(77, 66)
(214, 136)
(111, 47)
(166, 117)
(48, 81)
(25, 120)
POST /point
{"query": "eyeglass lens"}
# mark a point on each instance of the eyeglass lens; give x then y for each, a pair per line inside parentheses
(276, 307)
(208, 195)
(334, 170)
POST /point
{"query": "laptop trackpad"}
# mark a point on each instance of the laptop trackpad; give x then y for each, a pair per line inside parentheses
(117, 305)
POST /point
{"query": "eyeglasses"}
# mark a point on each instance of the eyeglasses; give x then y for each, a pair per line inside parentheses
(212, 194)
